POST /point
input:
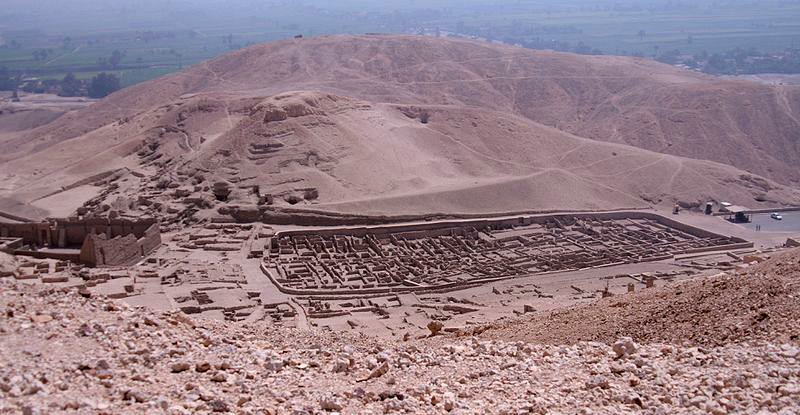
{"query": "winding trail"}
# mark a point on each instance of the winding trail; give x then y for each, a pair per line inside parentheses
(478, 153)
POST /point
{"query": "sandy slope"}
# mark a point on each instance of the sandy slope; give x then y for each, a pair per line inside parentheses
(377, 159)
(335, 124)
(647, 104)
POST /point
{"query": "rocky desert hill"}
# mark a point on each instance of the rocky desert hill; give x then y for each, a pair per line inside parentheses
(391, 125)
(759, 304)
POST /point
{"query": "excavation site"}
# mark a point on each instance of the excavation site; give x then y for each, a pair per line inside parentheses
(401, 223)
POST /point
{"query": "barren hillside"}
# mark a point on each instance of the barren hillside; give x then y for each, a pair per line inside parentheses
(336, 123)
(639, 102)
(759, 304)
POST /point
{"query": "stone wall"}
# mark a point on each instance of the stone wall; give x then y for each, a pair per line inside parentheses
(434, 228)
(77, 230)
(103, 242)
(31, 233)
(100, 250)
(72, 232)
(151, 240)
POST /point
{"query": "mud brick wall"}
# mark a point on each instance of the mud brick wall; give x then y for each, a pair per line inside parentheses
(98, 250)
(436, 227)
(31, 233)
(150, 240)
(103, 241)
(77, 230)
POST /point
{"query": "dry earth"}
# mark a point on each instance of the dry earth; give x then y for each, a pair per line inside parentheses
(64, 352)
(388, 126)
(759, 304)
(8, 263)
(335, 124)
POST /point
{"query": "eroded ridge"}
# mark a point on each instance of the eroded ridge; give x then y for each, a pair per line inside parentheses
(457, 255)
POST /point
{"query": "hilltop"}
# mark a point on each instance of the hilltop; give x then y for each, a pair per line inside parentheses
(336, 124)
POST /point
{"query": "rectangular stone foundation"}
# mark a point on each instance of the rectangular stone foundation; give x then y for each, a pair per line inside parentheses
(445, 256)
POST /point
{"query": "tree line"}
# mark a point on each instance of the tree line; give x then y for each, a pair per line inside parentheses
(98, 86)
(738, 61)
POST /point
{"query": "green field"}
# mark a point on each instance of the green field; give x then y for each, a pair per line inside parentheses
(160, 37)
(770, 27)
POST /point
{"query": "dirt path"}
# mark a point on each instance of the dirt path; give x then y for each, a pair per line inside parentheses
(783, 102)
(62, 55)
(478, 153)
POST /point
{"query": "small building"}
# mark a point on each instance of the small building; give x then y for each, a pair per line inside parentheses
(737, 214)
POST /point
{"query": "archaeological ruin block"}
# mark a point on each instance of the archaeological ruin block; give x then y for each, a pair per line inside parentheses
(456, 255)
(91, 241)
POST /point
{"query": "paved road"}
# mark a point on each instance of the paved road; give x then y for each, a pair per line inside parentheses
(790, 222)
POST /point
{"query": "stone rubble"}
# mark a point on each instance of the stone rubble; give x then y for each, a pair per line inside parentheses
(98, 357)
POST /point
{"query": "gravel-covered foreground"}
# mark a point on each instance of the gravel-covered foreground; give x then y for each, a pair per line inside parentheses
(61, 352)
(757, 304)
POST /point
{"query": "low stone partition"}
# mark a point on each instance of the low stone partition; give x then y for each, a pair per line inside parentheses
(377, 292)
(10, 244)
(72, 255)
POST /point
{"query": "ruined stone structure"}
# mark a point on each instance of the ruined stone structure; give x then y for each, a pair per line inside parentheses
(92, 241)
(216, 237)
(460, 254)
(70, 232)
(9, 245)
(100, 250)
